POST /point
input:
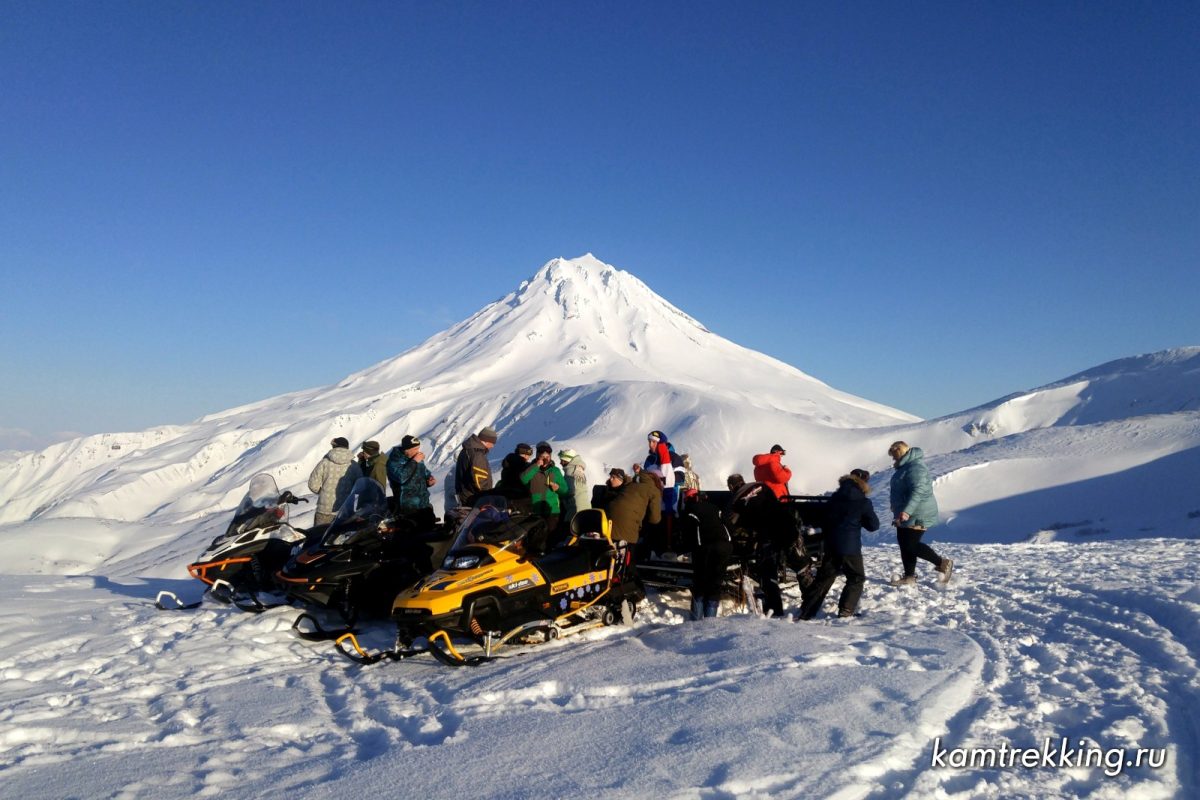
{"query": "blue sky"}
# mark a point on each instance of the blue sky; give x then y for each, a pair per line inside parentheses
(927, 204)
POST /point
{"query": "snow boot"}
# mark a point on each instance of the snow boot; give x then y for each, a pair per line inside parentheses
(907, 580)
(947, 569)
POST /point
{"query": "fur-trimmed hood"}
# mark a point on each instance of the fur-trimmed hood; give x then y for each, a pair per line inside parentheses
(857, 481)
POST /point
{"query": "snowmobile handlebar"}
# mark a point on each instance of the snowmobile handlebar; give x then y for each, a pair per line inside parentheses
(288, 497)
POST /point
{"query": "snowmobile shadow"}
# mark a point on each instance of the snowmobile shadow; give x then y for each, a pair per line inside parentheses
(145, 588)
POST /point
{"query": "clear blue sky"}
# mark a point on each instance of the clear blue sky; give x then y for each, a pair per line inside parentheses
(927, 204)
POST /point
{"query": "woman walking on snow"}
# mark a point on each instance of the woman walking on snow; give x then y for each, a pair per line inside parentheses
(915, 511)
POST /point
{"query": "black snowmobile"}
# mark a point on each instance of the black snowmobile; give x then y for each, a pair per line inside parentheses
(798, 563)
(243, 560)
(360, 562)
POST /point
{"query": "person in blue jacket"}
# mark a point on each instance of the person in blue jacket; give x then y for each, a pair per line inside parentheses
(410, 480)
(914, 511)
(848, 512)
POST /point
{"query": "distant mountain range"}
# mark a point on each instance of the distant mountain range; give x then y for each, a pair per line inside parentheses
(585, 355)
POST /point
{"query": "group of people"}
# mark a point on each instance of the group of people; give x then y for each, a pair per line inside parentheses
(659, 505)
(403, 470)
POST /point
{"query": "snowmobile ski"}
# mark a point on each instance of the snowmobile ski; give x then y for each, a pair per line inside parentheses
(319, 634)
(176, 603)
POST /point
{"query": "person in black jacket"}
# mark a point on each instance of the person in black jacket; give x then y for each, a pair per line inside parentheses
(848, 512)
(511, 468)
(756, 508)
(704, 534)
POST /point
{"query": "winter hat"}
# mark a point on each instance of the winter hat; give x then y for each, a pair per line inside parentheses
(617, 472)
(566, 454)
(371, 448)
(340, 441)
(409, 442)
(524, 449)
(544, 447)
(778, 448)
(655, 436)
(861, 474)
(488, 434)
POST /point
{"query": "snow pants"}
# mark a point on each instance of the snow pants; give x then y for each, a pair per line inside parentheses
(833, 565)
(708, 573)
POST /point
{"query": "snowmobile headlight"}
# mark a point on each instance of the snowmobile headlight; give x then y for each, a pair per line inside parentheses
(343, 538)
(460, 562)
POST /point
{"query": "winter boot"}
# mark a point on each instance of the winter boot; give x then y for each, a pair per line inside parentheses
(711, 607)
(697, 608)
(946, 568)
(907, 580)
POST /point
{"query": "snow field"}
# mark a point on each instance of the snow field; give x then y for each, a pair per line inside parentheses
(1030, 641)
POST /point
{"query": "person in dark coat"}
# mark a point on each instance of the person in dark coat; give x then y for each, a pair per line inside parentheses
(756, 508)
(410, 480)
(703, 533)
(637, 504)
(848, 512)
(472, 472)
(511, 468)
(617, 480)
(373, 463)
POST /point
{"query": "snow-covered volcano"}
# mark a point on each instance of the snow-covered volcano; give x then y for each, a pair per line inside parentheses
(582, 354)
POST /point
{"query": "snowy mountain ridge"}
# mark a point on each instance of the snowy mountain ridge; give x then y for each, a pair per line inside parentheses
(586, 355)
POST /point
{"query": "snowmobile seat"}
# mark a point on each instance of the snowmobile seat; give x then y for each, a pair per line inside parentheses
(591, 523)
(585, 555)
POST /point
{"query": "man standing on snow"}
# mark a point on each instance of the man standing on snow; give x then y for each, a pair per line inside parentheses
(332, 479)
(769, 469)
(547, 488)
(410, 480)
(575, 471)
(915, 511)
(848, 512)
(373, 463)
(472, 473)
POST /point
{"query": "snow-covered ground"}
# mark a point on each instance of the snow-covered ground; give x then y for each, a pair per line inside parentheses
(104, 696)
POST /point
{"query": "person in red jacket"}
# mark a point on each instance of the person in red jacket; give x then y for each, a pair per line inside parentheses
(769, 469)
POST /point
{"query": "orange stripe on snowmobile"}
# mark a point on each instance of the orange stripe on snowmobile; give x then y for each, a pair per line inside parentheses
(200, 571)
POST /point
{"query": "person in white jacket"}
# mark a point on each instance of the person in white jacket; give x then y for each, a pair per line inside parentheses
(575, 471)
(332, 479)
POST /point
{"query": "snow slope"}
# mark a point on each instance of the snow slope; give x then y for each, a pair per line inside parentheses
(582, 354)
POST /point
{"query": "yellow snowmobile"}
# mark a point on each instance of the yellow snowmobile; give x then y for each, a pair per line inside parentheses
(496, 586)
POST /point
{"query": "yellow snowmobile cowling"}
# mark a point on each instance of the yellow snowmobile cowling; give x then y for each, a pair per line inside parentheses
(496, 580)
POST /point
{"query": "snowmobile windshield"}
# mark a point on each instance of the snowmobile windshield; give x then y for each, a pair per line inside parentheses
(365, 499)
(262, 493)
(488, 523)
(262, 498)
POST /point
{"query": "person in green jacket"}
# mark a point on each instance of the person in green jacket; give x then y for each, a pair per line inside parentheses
(914, 510)
(547, 486)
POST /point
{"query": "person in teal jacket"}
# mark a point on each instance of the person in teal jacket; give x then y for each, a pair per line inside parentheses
(547, 486)
(410, 480)
(914, 511)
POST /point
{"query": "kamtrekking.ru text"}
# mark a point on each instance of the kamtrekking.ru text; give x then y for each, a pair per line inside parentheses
(1051, 755)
